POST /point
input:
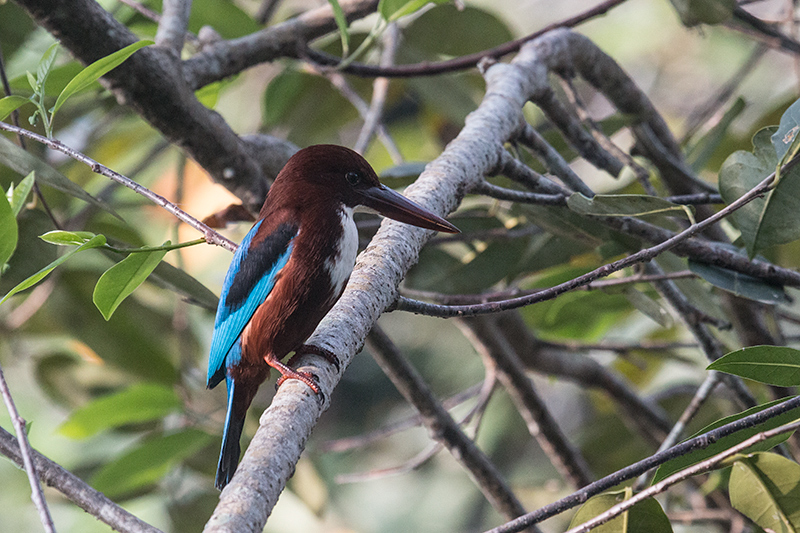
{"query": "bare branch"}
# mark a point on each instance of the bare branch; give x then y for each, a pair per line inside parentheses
(636, 469)
(463, 62)
(226, 58)
(27, 456)
(492, 345)
(84, 496)
(211, 236)
(441, 426)
(173, 24)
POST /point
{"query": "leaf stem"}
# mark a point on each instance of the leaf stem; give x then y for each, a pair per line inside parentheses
(147, 249)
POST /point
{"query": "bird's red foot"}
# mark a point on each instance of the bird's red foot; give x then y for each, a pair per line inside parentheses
(316, 350)
(287, 373)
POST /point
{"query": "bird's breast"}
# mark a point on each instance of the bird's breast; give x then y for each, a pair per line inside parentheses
(340, 264)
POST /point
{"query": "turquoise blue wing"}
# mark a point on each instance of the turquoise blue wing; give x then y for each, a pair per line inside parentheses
(249, 280)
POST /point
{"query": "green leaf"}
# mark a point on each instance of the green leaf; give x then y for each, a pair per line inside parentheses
(768, 221)
(45, 66)
(96, 70)
(775, 365)
(694, 12)
(392, 10)
(179, 281)
(24, 163)
(148, 462)
(19, 194)
(623, 205)
(785, 139)
(647, 306)
(8, 232)
(739, 284)
(10, 104)
(119, 281)
(138, 403)
(341, 22)
(94, 242)
(439, 32)
(646, 516)
(679, 463)
(67, 238)
(704, 149)
(766, 489)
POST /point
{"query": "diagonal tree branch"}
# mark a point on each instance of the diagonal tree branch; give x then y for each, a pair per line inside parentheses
(88, 499)
(152, 84)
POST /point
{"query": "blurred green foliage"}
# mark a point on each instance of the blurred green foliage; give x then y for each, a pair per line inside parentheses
(123, 402)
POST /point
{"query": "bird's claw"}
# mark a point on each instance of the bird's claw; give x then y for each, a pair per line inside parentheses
(305, 377)
(316, 350)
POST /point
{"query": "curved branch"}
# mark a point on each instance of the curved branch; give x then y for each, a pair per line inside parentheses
(151, 82)
(226, 58)
(459, 63)
(71, 486)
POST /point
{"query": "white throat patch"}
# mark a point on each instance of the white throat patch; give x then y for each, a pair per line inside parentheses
(341, 266)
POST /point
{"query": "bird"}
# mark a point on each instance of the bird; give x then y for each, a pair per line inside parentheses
(289, 271)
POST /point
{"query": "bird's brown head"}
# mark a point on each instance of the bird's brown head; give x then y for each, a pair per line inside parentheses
(328, 172)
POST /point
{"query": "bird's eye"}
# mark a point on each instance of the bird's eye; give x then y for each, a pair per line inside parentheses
(353, 178)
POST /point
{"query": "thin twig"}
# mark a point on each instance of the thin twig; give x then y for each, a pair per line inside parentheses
(636, 469)
(703, 393)
(493, 346)
(404, 304)
(211, 236)
(15, 120)
(705, 110)
(553, 160)
(463, 62)
(380, 88)
(27, 456)
(339, 81)
(71, 486)
(441, 425)
(698, 468)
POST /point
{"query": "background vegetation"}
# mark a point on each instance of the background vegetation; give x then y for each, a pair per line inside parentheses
(113, 388)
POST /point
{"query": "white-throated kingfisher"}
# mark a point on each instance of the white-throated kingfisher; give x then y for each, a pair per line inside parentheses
(287, 273)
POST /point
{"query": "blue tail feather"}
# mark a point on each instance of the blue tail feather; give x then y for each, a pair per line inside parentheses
(229, 454)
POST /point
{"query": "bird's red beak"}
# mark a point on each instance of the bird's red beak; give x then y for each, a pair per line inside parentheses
(396, 206)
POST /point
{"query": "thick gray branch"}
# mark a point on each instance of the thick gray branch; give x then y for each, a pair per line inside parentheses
(289, 38)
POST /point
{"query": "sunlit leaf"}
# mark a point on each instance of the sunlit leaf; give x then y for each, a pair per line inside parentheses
(776, 365)
(341, 22)
(392, 10)
(20, 193)
(10, 104)
(679, 463)
(94, 242)
(768, 221)
(646, 516)
(119, 281)
(67, 238)
(8, 232)
(96, 70)
(766, 488)
(138, 403)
